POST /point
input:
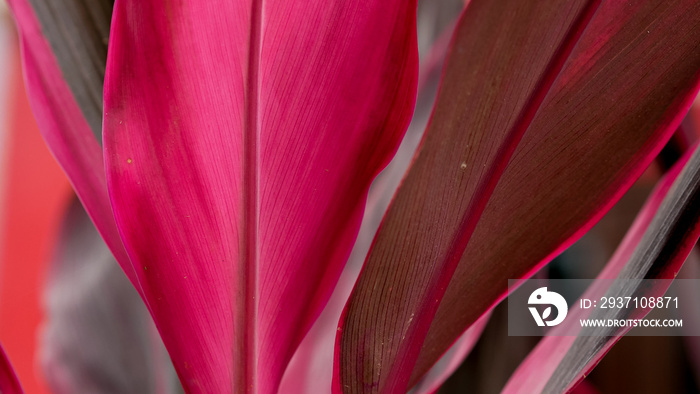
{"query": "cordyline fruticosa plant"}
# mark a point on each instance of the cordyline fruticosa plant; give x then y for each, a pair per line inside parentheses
(224, 150)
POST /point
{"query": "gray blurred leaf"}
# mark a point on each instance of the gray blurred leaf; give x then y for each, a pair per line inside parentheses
(432, 19)
(78, 32)
(98, 336)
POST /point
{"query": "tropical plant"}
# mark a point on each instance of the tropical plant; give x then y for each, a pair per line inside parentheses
(224, 151)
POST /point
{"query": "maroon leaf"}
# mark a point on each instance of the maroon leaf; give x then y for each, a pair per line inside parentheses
(8, 380)
(535, 371)
(452, 359)
(604, 119)
(500, 34)
(655, 248)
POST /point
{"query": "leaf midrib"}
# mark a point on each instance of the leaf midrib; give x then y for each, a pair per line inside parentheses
(245, 317)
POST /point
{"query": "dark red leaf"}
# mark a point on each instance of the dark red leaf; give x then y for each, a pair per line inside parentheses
(607, 115)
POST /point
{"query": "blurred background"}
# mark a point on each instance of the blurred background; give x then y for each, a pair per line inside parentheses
(49, 343)
(34, 194)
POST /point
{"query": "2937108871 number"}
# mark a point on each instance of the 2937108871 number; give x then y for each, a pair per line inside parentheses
(638, 302)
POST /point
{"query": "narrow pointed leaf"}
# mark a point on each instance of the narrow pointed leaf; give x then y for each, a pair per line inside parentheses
(482, 110)
(672, 229)
(238, 160)
(609, 112)
(64, 53)
(452, 359)
(77, 32)
(535, 371)
(311, 368)
(8, 380)
(98, 336)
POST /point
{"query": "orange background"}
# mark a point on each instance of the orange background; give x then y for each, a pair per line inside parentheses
(33, 195)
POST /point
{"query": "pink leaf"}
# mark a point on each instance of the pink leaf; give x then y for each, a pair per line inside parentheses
(63, 125)
(311, 368)
(238, 159)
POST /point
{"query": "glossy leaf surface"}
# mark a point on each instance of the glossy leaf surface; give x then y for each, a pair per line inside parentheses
(238, 160)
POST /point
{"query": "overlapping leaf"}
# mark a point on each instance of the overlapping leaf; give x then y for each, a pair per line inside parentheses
(8, 380)
(238, 160)
(656, 246)
(495, 98)
(64, 48)
(98, 336)
(611, 111)
(607, 114)
(454, 357)
(311, 368)
(78, 33)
